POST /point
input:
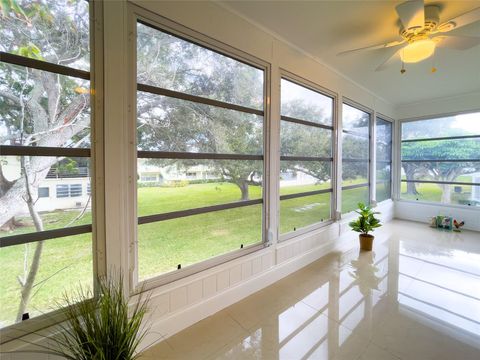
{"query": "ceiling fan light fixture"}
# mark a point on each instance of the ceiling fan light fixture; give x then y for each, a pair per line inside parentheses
(418, 51)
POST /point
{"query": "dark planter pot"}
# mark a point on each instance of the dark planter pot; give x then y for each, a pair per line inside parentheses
(366, 242)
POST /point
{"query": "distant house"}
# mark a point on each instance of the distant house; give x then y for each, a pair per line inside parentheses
(154, 174)
(60, 190)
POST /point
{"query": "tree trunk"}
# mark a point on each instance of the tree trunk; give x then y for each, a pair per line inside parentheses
(28, 283)
(446, 193)
(409, 173)
(243, 185)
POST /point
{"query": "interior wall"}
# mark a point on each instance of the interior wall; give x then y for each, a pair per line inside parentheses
(443, 106)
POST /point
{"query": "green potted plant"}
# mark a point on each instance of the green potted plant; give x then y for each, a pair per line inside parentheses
(365, 223)
(101, 327)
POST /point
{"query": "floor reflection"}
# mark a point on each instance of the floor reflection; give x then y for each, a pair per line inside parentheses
(416, 296)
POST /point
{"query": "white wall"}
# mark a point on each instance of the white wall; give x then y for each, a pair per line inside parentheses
(455, 104)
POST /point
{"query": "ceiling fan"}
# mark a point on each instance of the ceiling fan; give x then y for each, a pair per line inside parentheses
(422, 33)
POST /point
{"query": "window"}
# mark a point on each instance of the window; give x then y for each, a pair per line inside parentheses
(43, 192)
(383, 143)
(44, 125)
(441, 160)
(305, 156)
(63, 191)
(355, 158)
(200, 122)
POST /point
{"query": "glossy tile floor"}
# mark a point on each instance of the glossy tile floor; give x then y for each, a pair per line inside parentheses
(416, 296)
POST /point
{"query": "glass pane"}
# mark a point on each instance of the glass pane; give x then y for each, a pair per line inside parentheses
(355, 147)
(383, 171)
(459, 125)
(56, 115)
(383, 191)
(167, 185)
(355, 120)
(442, 171)
(351, 198)
(297, 177)
(189, 240)
(65, 265)
(303, 140)
(65, 201)
(354, 172)
(443, 193)
(305, 104)
(169, 62)
(384, 140)
(442, 150)
(303, 211)
(55, 31)
(168, 124)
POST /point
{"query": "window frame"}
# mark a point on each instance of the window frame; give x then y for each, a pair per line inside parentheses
(398, 166)
(392, 155)
(96, 155)
(371, 149)
(137, 14)
(309, 85)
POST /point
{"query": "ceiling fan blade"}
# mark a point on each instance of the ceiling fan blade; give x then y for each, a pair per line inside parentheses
(392, 57)
(373, 47)
(412, 14)
(459, 21)
(457, 42)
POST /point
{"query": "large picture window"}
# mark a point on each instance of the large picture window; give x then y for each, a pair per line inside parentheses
(306, 159)
(200, 136)
(45, 123)
(383, 145)
(355, 157)
(441, 160)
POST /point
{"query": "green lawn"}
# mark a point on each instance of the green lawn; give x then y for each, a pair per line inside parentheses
(66, 262)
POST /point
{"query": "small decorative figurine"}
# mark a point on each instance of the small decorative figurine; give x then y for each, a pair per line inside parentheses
(433, 222)
(458, 225)
(447, 223)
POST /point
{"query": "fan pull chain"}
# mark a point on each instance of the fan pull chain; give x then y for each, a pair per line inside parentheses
(403, 70)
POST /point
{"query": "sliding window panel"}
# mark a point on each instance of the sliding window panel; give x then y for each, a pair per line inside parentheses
(304, 176)
(167, 185)
(303, 211)
(354, 172)
(55, 31)
(304, 140)
(351, 198)
(65, 264)
(449, 194)
(455, 149)
(57, 113)
(383, 140)
(451, 171)
(174, 125)
(169, 62)
(384, 183)
(457, 125)
(355, 146)
(305, 104)
(355, 120)
(58, 189)
(185, 241)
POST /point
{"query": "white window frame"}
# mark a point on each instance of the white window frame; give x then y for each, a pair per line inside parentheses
(134, 14)
(309, 85)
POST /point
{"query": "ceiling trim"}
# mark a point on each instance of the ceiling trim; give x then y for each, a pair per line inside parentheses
(299, 49)
(436, 99)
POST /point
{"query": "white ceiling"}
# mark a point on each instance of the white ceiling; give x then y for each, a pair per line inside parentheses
(325, 28)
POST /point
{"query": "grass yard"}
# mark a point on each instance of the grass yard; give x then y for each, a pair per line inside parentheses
(67, 262)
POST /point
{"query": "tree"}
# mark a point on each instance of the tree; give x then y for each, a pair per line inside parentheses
(439, 150)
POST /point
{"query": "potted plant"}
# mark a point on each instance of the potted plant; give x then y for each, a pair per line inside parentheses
(366, 222)
(101, 327)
